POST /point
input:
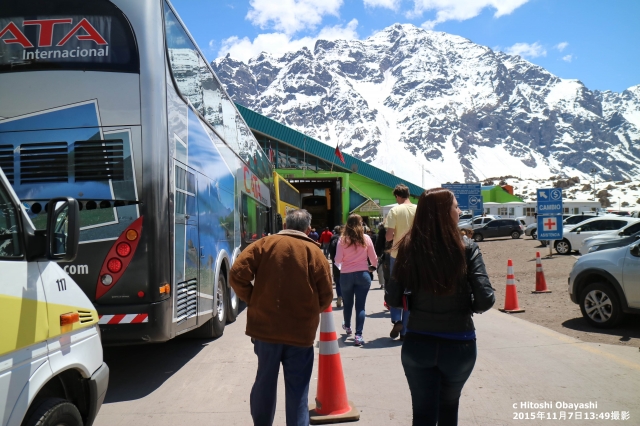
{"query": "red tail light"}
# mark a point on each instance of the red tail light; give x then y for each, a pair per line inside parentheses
(118, 258)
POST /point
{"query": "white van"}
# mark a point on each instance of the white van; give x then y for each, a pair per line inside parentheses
(51, 367)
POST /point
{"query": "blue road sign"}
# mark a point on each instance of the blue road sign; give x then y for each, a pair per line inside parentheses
(549, 227)
(549, 211)
(469, 196)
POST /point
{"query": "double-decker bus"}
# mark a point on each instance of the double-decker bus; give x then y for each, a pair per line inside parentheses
(112, 103)
(287, 199)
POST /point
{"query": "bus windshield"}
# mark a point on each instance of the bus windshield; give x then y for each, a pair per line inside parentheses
(71, 35)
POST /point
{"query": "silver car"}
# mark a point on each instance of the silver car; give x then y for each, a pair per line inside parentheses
(477, 222)
(606, 284)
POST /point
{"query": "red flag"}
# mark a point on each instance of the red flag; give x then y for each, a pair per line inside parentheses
(339, 154)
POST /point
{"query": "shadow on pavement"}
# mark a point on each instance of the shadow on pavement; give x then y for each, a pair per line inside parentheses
(628, 329)
(382, 343)
(136, 371)
(382, 314)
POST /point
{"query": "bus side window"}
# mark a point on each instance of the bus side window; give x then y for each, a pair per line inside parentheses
(10, 233)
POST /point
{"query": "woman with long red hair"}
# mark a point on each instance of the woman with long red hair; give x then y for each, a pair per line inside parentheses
(443, 277)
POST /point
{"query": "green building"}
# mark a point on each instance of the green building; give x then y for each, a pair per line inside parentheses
(314, 169)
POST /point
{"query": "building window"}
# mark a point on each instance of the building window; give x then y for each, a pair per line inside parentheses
(487, 210)
(512, 211)
(530, 211)
(576, 210)
(502, 211)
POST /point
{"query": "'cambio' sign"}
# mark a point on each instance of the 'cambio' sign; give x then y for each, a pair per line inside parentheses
(65, 45)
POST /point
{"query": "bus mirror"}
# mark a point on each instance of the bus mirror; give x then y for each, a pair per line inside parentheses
(63, 229)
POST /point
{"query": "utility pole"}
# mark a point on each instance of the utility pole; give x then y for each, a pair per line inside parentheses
(593, 172)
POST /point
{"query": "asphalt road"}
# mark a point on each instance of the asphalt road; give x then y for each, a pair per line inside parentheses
(204, 382)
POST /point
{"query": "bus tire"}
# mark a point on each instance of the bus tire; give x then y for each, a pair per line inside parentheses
(214, 327)
(55, 412)
(233, 304)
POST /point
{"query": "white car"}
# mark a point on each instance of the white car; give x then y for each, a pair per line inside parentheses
(609, 237)
(573, 238)
(606, 284)
(477, 222)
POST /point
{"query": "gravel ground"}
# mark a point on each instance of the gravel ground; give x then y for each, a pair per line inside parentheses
(552, 310)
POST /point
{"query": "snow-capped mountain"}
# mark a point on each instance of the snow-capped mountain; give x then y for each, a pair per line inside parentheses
(434, 107)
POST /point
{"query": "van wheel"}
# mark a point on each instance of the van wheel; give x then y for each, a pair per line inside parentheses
(515, 235)
(563, 246)
(55, 412)
(233, 304)
(477, 237)
(214, 328)
(600, 305)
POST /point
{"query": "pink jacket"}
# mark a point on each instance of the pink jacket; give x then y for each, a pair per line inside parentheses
(354, 257)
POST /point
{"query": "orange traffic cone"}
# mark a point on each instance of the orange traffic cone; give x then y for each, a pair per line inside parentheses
(332, 405)
(511, 297)
(541, 283)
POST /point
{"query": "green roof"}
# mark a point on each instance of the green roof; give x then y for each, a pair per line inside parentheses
(261, 124)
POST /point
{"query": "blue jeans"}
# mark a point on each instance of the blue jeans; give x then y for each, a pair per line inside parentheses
(297, 364)
(436, 371)
(355, 285)
(398, 314)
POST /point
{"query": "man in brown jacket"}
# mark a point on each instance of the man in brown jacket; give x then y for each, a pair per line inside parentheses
(291, 287)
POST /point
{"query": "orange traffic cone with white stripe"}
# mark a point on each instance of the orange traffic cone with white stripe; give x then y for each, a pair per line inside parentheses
(332, 405)
(541, 283)
(511, 297)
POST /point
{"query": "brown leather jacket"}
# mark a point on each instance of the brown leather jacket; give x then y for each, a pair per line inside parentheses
(292, 286)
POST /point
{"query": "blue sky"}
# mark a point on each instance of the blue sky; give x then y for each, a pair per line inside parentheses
(592, 41)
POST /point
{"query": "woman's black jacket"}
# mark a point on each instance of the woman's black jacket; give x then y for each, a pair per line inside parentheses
(441, 314)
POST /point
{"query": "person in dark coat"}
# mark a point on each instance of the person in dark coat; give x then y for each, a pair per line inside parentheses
(441, 277)
(333, 247)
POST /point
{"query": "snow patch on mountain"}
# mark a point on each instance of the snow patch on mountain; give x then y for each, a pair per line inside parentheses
(434, 107)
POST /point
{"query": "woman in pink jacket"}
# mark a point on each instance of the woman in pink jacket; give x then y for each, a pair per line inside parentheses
(354, 248)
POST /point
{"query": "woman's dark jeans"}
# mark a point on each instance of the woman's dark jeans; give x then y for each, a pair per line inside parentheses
(436, 370)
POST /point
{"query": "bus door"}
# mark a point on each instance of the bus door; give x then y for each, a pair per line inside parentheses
(209, 231)
(187, 248)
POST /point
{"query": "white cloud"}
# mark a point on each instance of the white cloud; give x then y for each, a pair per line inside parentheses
(527, 50)
(567, 58)
(291, 16)
(561, 46)
(460, 10)
(387, 4)
(280, 43)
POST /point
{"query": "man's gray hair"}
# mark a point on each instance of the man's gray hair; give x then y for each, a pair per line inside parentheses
(298, 220)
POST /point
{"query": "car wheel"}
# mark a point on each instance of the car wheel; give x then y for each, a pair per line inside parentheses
(534, 234)
(477, 237)
(515, 235)
(563, 247)
(600, 305)
(55, 412)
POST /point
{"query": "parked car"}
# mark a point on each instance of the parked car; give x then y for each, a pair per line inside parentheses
(465, 217)
(499, 228)
(572, 221)
(606, 284)
(624, 232)
(573, 238)
(477, 222)
(620, 242)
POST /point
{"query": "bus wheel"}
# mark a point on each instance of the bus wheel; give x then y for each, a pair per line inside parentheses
(54, 412)
(214, 328)
(233, 305)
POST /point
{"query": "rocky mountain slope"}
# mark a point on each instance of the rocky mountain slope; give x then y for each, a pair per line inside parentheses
(434, 107)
